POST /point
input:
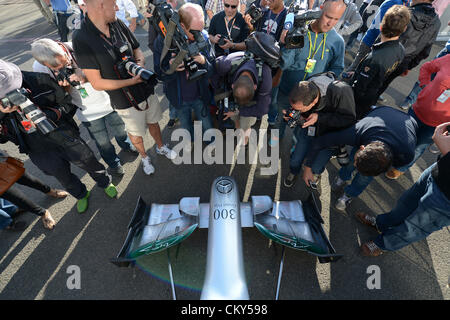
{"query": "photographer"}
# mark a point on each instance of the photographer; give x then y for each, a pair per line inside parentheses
(325, 106)
(385, 137)
(250, 93)
(272, 21)
(420, 211)
(48, 133)
(323, 51)
(228, 30)
(102, 45)
(94, 108)
(184, 94)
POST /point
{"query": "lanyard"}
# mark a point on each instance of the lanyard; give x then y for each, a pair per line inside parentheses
(314, 48)
(232, 25)
(269, 27)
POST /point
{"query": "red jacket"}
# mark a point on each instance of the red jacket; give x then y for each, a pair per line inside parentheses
(428, 108)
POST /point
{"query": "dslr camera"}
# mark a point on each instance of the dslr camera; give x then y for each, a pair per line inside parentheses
(29, 110)
(222, 40)
(294, 118)
(127, 65)
(64, 74)
(255, 12)
(167, 22)
(295, 38)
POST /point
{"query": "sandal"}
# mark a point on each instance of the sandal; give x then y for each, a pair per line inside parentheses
(59, 194)
(48, 221)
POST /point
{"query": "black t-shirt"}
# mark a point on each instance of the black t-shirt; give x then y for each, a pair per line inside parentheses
(93, 50)
(237, 27)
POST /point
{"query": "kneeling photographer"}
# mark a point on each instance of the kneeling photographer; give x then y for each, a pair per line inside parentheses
(36, 114)
(312, 46)
(318, 106)
(108, 52)
(185, 65)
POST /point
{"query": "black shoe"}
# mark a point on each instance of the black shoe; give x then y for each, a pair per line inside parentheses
(289, 181)
(171, 123)
(17, 226)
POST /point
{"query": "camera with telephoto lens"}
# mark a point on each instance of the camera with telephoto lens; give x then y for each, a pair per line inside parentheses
(294, 118)
(295, 38)
(127, 65)
(19, 97)
(167, 22)
(255, 12)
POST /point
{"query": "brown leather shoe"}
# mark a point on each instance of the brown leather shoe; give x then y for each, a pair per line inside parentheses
(393, 174)
(59, 194)
(367, 219)
(370, 249)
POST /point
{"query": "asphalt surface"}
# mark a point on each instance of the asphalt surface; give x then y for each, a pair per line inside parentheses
(35, 264)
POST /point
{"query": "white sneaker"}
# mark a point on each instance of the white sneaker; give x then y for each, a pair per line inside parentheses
(343, 202)
(147, 166)
(170, 154)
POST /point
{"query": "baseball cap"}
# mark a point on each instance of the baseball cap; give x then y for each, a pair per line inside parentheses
(10, 77)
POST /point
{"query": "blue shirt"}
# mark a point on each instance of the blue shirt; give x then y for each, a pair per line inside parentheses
(60, 5)
(328, 49)
(374, 29)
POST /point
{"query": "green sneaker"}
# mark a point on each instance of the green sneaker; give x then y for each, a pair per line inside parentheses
(83, 203)
(111, 191)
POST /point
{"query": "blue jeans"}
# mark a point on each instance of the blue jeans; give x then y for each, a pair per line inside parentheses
(7, 212)
(98, 130)
(424, 139)
(185, 115)
(359, 182)
(301, 150)
(273, 107)
(172, 112)
(420, 211)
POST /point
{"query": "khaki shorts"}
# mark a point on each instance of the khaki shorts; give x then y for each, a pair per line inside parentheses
(136, 122)
(244, 122)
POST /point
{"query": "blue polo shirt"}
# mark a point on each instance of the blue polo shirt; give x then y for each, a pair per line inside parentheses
(60, 5)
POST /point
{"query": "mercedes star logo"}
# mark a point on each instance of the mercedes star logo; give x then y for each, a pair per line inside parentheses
(224, 186)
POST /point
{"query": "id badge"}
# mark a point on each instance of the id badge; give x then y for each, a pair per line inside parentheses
(444, 96)
(310, 65)
(311, 131)
(83, 92)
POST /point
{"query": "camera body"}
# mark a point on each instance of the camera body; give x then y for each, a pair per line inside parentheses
(222, 39)
(295, 38)
(19, 97)
(255, 12)
(294, 118)
(127, 65)
(64, 74)
(164, 17)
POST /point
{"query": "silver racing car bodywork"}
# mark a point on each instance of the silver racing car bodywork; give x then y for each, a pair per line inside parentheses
(160, 226)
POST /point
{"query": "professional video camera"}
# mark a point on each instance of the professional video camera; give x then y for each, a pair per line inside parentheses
(167, 22)
(295, 37)
(255, 12)
(29, 111)
(128, 65)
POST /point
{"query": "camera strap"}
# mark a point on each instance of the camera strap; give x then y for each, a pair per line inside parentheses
(125, 90)
(167, 44)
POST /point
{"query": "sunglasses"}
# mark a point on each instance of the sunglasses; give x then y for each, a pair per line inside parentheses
(229, 5)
